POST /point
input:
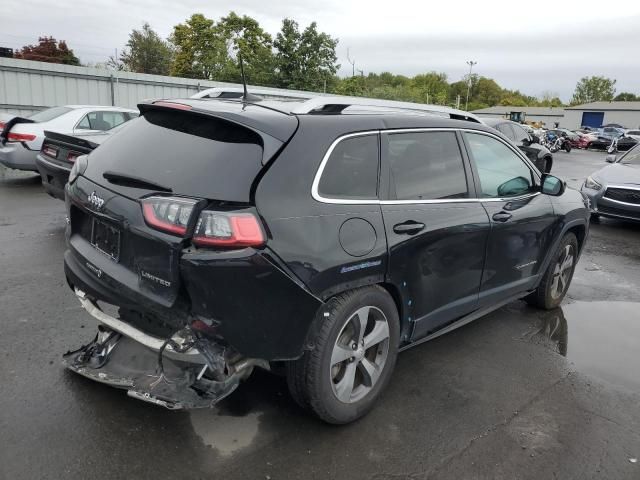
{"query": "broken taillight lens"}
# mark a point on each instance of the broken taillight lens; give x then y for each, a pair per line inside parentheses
(228, 229)
(168, 214)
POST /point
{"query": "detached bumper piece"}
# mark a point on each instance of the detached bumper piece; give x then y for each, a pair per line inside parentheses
(183, 372)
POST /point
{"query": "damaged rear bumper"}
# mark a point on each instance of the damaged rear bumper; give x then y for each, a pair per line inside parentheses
(182, 372)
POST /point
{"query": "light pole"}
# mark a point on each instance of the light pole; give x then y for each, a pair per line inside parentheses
(471, 63)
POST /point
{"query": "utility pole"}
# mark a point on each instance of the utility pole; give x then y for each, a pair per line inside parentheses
(353, 64)
(471, 63)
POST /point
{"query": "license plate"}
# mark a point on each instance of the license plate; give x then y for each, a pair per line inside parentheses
(106, 239)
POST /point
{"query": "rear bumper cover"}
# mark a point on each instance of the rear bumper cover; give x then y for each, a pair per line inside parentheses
(16, 155)
(54, 177)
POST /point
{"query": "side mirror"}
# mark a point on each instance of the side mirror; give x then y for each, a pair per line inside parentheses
(552, 185)
(611, 158)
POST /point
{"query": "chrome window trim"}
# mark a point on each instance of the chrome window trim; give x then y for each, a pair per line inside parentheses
(346, 201)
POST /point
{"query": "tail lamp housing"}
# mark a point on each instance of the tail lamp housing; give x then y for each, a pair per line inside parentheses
(168, 214)
(20, 137)
(213, 228)
(228, 229)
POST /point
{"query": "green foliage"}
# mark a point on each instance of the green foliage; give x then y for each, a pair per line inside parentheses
(304, 61)
(594, 89)
(626, 97)
(199, 51)
(147, 52)
(48, 50)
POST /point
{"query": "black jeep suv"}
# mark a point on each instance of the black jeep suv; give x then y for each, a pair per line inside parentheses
(214, 236)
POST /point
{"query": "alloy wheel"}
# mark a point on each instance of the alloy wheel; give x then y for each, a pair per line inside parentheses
(562, 272)
(359, 354)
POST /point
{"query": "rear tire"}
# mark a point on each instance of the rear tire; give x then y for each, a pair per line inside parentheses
(354, 355)
(557, 278)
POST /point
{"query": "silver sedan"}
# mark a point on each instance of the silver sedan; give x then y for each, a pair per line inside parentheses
(614, 191)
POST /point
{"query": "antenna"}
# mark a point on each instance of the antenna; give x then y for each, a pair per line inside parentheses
(246, 96)
(244, 80)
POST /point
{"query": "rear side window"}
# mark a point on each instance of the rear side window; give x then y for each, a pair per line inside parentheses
(351, 172)
(49, 114)
(426, 166)
(192, 154)
(102, 120)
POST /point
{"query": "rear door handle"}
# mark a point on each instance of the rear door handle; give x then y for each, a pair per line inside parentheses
(501, 216)
(409, 227)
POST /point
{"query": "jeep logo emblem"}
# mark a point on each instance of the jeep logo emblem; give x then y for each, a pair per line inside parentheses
(95, 200)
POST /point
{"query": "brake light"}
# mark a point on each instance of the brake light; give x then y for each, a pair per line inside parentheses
(177, 106)
(222, 229)
(72, 156)
(168, 214)
(20, 137)
(2, 124)
(50, 151)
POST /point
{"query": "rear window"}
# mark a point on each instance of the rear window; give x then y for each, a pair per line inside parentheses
(351, 172)
(49, 114)
(192, 154)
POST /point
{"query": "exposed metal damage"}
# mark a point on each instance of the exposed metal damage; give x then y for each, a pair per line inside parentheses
(185, 371)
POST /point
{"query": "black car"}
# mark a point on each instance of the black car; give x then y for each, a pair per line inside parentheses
(604, 140)
(303, 239)
(538, 154)
(60, 151)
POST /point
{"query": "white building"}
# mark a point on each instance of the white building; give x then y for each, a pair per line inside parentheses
(596, 114)
(549, 116)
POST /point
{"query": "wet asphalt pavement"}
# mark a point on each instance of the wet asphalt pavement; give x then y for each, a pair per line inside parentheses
(517, 394)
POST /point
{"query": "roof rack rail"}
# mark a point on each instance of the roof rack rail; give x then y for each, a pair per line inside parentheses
(265, 93)
(335, 105)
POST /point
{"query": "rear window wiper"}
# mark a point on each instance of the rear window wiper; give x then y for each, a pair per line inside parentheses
(134, 182)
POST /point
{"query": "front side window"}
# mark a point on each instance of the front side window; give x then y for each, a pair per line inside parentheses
(426, 166)
(351, 172)
(502, 172)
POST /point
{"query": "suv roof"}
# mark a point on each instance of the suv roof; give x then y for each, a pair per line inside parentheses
(279, 118)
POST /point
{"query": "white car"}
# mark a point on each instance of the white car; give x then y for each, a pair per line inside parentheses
(21, 138)
(635, 134)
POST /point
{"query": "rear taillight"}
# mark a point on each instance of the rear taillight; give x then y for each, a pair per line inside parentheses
(168, 214)
(20, 137)
(50, 151)
(2, 124)
(228, 229)
(72, 156)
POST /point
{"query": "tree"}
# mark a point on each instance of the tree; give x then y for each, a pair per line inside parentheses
(594, 89)
(205, 49)
(626, 97)
(48, 50)
(304, 61)
(147, 52)
(430, 87)
(244, 36)
(200, 52)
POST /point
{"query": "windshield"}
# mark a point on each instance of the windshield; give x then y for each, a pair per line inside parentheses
(49, 114)
(632, 157)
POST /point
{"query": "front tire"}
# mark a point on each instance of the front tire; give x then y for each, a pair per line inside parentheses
(557, 278)
(567, 147)
(354, 355)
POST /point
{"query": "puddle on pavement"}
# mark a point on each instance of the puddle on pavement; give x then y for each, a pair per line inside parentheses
(601, 339)
(225, 433)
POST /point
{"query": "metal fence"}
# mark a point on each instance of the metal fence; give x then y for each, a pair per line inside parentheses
(27, 87)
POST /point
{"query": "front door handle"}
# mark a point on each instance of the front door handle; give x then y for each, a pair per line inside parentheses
(501, 216)
(409, 227)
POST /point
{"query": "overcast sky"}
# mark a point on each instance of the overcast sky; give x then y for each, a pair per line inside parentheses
(528, 46)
